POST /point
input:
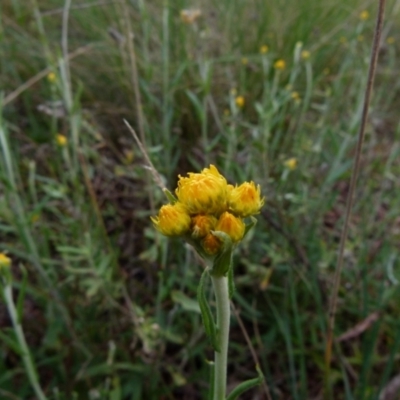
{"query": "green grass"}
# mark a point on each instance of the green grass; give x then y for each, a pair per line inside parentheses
(108, 308)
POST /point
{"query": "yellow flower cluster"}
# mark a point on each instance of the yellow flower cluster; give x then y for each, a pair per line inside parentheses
(61, 140)
(207, 203)
(280, 64)
(5, 261)
(364, 15)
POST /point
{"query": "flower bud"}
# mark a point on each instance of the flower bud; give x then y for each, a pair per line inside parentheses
(211, 244)
(245, 200)
(172, 220)
(231, 225)
(202, 225)
(203, 193)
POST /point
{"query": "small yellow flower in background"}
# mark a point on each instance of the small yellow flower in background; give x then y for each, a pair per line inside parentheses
(280, 64)
(203, 193)
(264, 49)
(326, 71)
(5, 261)
(343, 39)
(232, 226)
(202, 225)
(239, 101)
(305, 54)
(245, 200)
(35, 217)
(364, 15)
(245, 61)
(291, 163)
(189, 16)
(129, 156)
(296, 97)
(61, 140)
(390, 40)
(172, 220)
(51, 77)
(360, 38)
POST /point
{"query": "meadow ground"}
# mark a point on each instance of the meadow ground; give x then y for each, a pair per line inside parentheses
(269, 91)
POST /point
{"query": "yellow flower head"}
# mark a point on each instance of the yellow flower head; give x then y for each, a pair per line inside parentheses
(305, 54)
(5, 261)
(364, 15)
(240, 101)
(211, 244)
(280, 64)
(203, 193)
(172, 220)
(390, 40)
(295, 96)
(61, 140)
(291, 163)
(244, 60)
(231, 225)
(51, 77)
(202, 225)
(245, 200)
(264, 49)
(190, 16)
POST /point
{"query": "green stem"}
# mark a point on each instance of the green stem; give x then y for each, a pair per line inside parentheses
(25, 353)
(220, 285)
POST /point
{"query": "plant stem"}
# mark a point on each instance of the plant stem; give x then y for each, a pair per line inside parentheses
(25, 353)
(220, 285)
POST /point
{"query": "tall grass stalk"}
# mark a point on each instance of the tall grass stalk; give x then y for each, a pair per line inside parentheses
(350, 196)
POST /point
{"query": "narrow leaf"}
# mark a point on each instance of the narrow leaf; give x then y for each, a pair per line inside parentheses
(171, 198)
(21, 295)
(251, 225)
(208, 320)
(246, 385)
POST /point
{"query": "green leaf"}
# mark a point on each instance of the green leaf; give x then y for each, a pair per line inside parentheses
(246, 385)
(10, 342)
(186, 302)
(248, 227)
(171, 198)
(21, 295)
(223, 260)
(208, 320)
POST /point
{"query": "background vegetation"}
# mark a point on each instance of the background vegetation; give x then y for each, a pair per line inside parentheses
(108, 305)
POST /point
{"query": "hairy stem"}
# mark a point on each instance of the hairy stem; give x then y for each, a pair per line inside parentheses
(221, 291)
